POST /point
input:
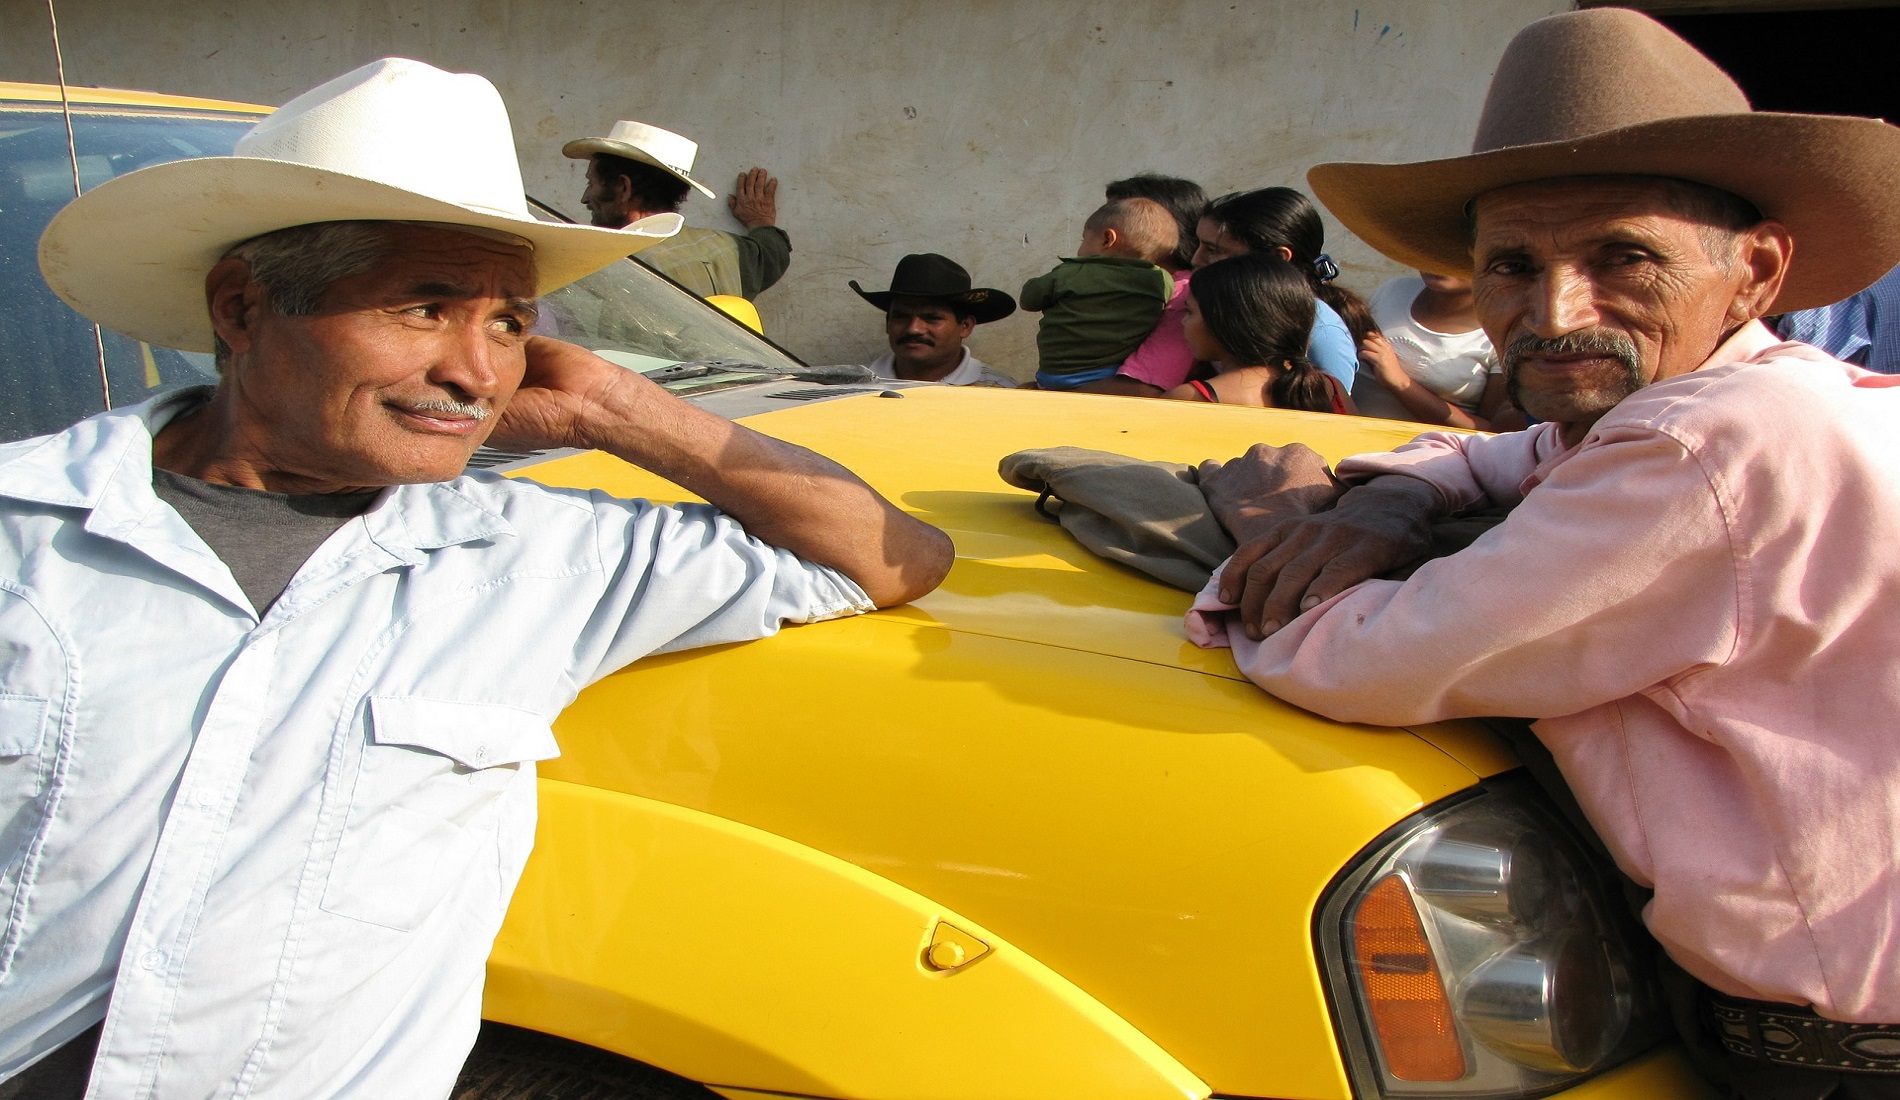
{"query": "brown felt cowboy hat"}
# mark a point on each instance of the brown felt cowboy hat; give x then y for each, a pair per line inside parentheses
(1611, 92)
(928, 275)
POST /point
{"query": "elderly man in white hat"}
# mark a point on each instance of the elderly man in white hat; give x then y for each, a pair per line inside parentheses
(637, 171)
(273, 673)
(1696, 592)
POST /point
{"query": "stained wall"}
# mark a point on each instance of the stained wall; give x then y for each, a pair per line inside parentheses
(981, 129)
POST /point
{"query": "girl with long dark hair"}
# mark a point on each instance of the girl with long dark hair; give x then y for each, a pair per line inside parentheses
(1282, 222)
(1252, 314)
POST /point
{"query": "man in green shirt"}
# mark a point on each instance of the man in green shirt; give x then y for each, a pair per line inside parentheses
(639, 170)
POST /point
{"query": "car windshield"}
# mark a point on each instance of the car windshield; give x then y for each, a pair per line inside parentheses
(644, 322)
(50, 357)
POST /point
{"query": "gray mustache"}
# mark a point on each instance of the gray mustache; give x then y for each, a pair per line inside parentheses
(452, 408)
(1595, 342)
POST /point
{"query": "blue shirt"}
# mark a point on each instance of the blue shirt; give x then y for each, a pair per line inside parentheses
(1864, 329)
(1331, 348)
(280, 846)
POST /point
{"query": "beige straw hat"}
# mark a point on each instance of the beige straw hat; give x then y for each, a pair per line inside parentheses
(395, 140)
(1612, 92)
(663, 149)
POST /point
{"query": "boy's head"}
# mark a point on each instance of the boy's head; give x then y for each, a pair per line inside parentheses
(1138, 229)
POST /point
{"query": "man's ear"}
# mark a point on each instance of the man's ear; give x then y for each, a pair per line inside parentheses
(621, 190)
(1762, 255)
(234, 302)
(965, 326)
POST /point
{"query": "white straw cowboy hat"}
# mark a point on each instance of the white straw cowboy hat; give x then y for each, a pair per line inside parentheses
(663, 149)
(395, 140)
(1611, 92)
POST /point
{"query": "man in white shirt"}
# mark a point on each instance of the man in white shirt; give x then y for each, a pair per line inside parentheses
(929, 311)
(273, 673)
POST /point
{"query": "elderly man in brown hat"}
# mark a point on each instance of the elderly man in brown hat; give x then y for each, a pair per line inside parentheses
(1695, 591)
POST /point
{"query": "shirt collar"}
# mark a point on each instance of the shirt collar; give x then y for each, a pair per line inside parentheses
(1746, 342)
(968, 369)
(428, 516)
(102, 464)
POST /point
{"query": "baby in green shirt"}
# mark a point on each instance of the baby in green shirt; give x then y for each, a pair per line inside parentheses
(1099, 305)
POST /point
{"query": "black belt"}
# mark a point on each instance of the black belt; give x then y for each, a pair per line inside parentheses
(1795, 1036)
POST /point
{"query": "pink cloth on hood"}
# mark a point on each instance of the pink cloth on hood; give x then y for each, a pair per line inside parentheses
(1700, 603)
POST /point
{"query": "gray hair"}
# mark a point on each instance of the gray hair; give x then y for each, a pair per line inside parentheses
(1720, 217)
(296, 265)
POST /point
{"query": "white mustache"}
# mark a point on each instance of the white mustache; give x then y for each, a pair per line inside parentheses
(452, 408)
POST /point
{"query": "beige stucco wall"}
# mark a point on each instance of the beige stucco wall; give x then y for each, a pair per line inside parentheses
(981, 129)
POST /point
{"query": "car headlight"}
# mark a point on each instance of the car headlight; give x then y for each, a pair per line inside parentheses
(1478, 950)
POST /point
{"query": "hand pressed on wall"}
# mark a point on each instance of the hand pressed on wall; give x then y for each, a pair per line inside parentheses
(754, 199)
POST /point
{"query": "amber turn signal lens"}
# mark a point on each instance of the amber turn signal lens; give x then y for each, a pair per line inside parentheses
(1403, 988)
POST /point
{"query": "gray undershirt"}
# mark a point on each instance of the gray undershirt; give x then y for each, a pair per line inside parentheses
(263, 537)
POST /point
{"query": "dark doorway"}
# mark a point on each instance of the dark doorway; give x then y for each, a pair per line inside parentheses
(1831, 61)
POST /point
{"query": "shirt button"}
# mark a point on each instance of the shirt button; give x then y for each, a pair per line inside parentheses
(152, 960)
(481, 754)
(206, 799)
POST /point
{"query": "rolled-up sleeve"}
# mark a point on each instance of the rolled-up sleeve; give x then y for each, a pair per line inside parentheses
(688, 575)
(1616, 575)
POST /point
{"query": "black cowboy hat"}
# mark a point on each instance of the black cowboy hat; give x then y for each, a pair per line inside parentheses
(928, 275)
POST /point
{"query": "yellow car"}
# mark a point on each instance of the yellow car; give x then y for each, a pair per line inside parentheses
(1019, 839)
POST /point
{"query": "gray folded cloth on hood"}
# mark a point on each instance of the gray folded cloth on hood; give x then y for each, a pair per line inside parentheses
(1149, 516)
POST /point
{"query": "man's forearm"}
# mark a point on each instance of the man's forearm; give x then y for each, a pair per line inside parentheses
(1395, 495)
(783, 494)
(1405, 499)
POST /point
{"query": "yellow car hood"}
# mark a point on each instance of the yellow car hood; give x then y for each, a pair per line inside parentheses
(1036, 745)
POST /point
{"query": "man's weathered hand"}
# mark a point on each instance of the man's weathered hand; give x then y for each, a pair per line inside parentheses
(1251, 493)
(1301, 562)
(754, 199)
(562, 386)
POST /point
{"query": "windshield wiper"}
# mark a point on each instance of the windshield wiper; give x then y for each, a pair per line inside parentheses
(827, 376)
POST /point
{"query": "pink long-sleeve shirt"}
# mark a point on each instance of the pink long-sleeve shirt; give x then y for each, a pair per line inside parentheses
(1164, 358)
(1700, 603)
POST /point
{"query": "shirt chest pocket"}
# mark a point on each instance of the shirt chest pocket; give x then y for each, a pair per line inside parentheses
(422, 824)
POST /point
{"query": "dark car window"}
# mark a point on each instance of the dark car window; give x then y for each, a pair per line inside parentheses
(49, 356)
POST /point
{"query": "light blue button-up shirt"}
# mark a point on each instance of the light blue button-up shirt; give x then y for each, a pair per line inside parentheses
(1864, 329)
(280, 847)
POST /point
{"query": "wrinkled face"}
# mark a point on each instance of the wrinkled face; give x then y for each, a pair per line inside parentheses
(399, 374)
(926, 335)
(1592, 289)
(608, 204)
(1215, 244)
(1199, 340)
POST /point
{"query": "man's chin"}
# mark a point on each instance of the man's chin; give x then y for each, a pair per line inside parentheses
(913, 356)
(1582, 400)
